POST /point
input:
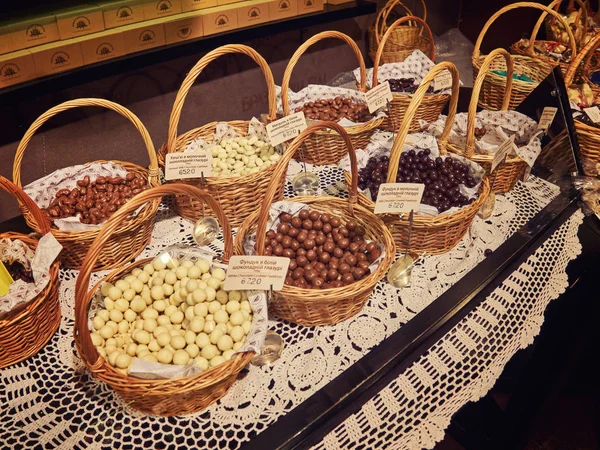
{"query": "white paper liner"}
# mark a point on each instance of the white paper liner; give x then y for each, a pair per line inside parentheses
(254, 340)
(44, 190)
(500, 126)
(293, 208)
(381, 144)
(314, 92)
(225, 131)
(39, 262)
(415, 66)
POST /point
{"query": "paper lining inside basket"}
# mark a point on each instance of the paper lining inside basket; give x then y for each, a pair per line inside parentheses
(500, 126)
(381, 144)
(254, 341)
(39, 262)
(415, 66)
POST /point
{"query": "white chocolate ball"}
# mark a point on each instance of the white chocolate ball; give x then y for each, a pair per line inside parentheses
(216, 361)
(178, 342)
(193, 350)
(219, 273)
(232, 306)
(106, 332)
(202, 340)
(141, 336)
(237, 333)
(181, 357)
(116, 315)
(163, 339)
(237, 318)
(114, 293)
(210, 351)
(225, 343)
(176, 317)
(164, 356)
(203, 265)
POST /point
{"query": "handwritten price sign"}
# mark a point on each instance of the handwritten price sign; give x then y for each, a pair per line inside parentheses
(286, 128)
(179, 166)
(379, 96)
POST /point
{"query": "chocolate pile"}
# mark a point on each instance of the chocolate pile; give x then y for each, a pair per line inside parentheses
(95, 201)
(18, 272)
(406, 85)
(336, 109)
(324, 253)
(442, 177)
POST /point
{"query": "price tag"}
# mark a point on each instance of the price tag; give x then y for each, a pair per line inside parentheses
(256, 272)
(593, 113)
(179, 166)
(442, 81)
(399, 197)
(378, 96)
(502, 152)
(286, 128)
(547, 117)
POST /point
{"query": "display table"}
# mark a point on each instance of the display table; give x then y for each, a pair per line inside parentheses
(50, 401)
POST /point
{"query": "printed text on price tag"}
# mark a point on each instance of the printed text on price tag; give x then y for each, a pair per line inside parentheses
(399, 197)
(593, 113)
(179, 166)
(256, 272)
(547, 117)
(442, 81)
(503, 152)
(378, 96)
(286, 128)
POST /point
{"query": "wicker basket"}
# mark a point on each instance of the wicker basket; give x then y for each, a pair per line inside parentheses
(535, 68)
(404, 40)
(135, 232)
(588, 136)
(26, 331)
(311, 307)
(167, 397)
(326, 146)
(439, 234)
(506, 175)
(238, 196)
(518, 49)
(432, 105)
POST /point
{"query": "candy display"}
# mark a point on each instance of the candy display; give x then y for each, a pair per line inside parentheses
(336, 109)
(324, 252)
(95, 201)
(239, 156)
(442, 177)
(171, 313)
(406, 85)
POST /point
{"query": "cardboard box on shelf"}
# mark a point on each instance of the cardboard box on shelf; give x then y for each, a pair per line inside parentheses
(57, 57)
(144, 35)
(227, 2)
(102, 46)
(310, 6)
(253, 12)
(16, 67)
(184, 27)
(118, 14)
(219, 19)
(6, 45)
(281, 9)
(195, 5)
(154, 9)
(79, 21)
(34, 31)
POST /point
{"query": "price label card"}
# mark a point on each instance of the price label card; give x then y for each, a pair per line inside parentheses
(256, 272)
(503, 152)
(547, 117)
(399, 197)
(179, 166)
(442, 81)
(593, 113)
(286, 128)
(378, 96)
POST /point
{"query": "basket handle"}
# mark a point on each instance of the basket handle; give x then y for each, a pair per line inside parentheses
(281, 170)
(197, 70)
(387, 34)
(71, 104)
(586, 53)
(415, 102)
(384, 13)
(487, 62)
(287, 75)
(491, 20)
(554, 5)
(24, 199)
(112, 225)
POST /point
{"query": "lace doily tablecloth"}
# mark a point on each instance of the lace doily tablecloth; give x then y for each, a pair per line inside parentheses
(50, 401)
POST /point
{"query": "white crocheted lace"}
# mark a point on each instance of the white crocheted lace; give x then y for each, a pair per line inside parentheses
(51, 401)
